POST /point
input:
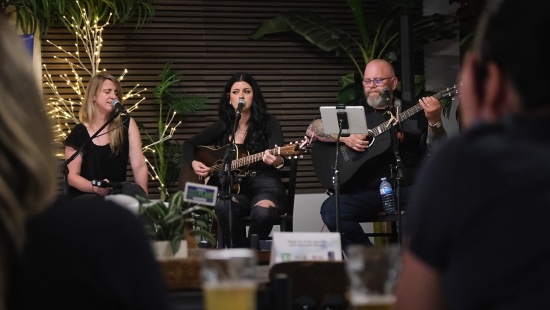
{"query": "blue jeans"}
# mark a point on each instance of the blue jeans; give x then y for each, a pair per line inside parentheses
(356, 207)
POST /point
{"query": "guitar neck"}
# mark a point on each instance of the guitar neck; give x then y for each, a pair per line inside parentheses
(403, 116)
(247, 160)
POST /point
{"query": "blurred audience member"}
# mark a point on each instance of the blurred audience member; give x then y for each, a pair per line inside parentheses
(478, 233)
(93, 255)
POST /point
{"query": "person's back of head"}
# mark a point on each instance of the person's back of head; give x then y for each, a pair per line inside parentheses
(27, 177)
(515, 35)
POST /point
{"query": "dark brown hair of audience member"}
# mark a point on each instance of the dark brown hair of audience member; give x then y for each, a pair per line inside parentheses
(511, 35)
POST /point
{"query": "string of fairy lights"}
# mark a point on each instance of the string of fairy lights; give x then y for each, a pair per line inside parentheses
(90, 35)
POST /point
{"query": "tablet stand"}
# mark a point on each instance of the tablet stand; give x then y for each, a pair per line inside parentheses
(342, 119)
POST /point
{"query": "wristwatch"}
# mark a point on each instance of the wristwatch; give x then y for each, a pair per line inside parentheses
(436, 125)
(282, 164)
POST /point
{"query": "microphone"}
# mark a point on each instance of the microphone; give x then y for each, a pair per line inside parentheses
(397, 104)
(117, 105)
(386, 94)
(241, 103)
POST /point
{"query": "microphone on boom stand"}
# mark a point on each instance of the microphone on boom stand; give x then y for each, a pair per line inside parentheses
(117, 105)
(241, 103)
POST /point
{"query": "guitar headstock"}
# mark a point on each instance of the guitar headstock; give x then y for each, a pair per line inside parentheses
(295, 148)
(451, 92)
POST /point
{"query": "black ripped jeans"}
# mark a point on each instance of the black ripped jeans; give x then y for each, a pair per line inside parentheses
(262, 219)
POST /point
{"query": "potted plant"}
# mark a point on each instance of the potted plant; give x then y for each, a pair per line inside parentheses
(163, 152)
(379, 36)
(172, 223)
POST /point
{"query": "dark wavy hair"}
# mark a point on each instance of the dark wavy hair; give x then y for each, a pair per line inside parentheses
(515, 34)
(256, 138)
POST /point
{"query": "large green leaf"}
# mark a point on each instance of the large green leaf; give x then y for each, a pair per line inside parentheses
(176, 201)
(275, 25)
(356, 7)
(176, 243)
(351, 89)
(319, 31)
(184, 104)
(309, 25)
(33, 15)
(201, 224)
(168, 77)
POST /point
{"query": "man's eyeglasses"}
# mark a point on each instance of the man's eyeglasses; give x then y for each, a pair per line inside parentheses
(377, 81)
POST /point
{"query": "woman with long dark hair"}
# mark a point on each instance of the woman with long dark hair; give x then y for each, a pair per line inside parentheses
(262, 194)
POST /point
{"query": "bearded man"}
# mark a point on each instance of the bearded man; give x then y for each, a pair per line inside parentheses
(360, 198)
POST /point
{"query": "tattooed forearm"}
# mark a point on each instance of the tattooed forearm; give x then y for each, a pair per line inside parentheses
(316, 132)
(434, 136)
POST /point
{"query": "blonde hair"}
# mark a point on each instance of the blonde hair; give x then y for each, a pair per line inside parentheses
(27, 165)
(87, 112)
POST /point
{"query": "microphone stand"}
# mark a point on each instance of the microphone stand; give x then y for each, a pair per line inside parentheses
(399, 168)
(225, 178)
(65, 166)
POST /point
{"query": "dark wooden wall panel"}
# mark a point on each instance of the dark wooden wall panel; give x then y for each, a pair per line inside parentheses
(208, 42)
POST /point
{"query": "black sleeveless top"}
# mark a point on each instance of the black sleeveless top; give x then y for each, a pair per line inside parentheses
(98, 162)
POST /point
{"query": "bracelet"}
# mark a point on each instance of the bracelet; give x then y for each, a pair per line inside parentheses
(92, 187)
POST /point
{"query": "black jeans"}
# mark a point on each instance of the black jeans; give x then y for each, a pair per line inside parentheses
(253, 189)
(355, 208)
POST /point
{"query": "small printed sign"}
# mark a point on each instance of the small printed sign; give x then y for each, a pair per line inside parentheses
(200, 194)
(296, 246)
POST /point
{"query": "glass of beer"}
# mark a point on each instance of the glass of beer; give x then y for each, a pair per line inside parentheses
(373, 273)
(229, 279)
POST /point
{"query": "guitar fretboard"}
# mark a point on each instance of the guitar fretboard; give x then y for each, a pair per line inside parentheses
(408, 113)
(247, 160)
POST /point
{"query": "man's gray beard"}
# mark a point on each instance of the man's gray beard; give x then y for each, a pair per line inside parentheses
(377, 102)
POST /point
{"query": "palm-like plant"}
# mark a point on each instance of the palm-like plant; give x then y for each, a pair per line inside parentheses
(170, 221)
(379, 35)
(164, 151)
(33, 15)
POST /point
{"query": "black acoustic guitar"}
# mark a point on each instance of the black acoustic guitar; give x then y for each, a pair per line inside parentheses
(349, 161)
(213, 158)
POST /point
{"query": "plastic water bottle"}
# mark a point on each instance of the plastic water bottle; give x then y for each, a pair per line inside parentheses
(388, 200)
